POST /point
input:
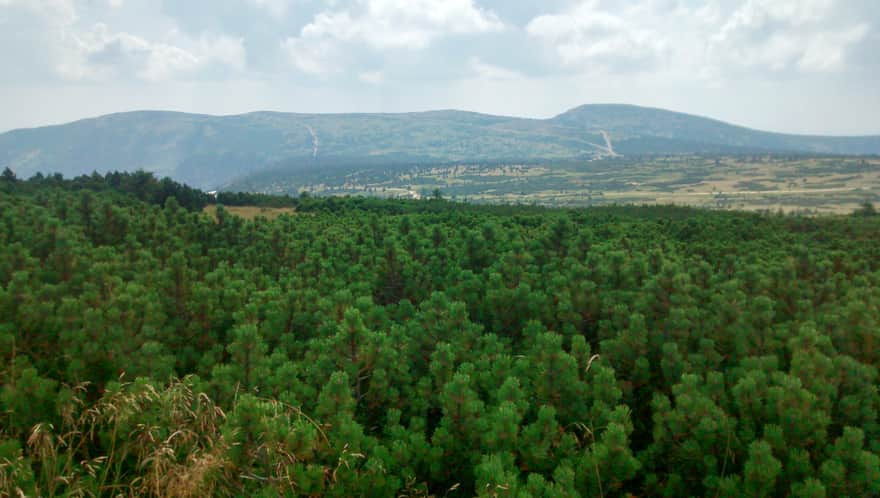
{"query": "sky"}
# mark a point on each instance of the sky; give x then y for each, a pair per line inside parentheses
(797, 66)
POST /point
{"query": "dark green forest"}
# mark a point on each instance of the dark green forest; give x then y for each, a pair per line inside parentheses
(390, 348)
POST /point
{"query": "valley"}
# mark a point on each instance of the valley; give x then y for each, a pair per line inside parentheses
(832, 184)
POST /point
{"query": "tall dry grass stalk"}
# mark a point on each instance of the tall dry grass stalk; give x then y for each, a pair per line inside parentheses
(135, 441)
(139, 440)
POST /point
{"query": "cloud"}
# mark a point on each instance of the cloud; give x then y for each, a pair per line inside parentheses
(779, 35)
(751, 61)
(588, 35)
(712, 38)
(753, 14)
(316, 57)
(401, 24)
(226, 50)
(385, 25)
(490, 72)
(74, 49)
(100, 54)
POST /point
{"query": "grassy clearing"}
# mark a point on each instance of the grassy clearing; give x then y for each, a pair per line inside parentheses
(249, 212)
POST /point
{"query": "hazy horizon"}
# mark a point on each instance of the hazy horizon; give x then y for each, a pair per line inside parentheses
(787, 66)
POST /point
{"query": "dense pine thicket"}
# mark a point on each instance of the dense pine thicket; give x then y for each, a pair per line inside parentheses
(390, 348)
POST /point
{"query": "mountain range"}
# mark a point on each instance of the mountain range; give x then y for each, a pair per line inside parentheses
(211, 151)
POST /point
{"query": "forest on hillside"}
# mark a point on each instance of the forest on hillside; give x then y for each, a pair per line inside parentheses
(368, 347)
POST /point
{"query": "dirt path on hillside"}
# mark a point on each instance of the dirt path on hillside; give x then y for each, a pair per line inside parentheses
(315, 141)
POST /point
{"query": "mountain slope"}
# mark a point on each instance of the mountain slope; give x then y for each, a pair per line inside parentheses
(209, 151)
(630, 123)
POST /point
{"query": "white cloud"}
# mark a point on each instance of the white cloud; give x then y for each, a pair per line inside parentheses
(77, 51)
(314, 57)
(491, 72)
(431, 18)
(226, 50)
(708, 39)
(755, 14)
(587, 34)
(101, 54)
(163, 61)
(384, 25)
(828, 51)
(803, 35)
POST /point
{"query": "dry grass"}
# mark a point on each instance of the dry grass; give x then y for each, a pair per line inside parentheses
(250, 212)
(135, 441)
(140, 440)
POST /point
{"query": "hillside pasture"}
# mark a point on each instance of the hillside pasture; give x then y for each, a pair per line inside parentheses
(250, 212)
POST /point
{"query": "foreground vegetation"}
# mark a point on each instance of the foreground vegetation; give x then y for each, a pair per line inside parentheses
(411, 348)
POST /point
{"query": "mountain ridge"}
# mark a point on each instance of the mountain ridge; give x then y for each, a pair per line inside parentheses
(615, 105)
(619, 106)
(210, 150)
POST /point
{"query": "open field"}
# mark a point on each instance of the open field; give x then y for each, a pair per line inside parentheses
(806, 184)
(250, 212)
